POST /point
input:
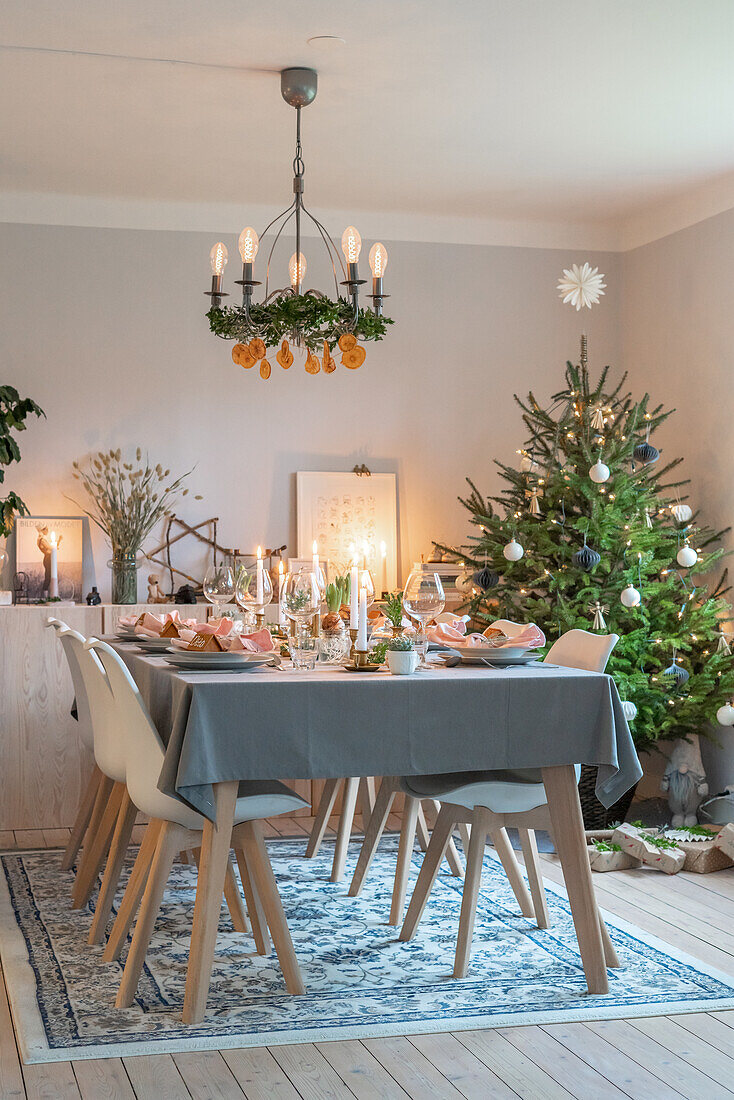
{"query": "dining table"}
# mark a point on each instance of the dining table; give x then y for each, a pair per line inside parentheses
(222, 730)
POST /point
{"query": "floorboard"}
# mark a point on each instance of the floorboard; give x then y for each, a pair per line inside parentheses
(657, 1058)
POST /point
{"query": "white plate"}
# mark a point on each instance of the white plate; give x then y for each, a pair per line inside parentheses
(192, 659)
(153, 645)
(232, 666)
(484, 657)
(493, 652)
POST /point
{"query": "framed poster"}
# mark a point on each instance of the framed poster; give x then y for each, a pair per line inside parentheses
(350, 517)
(33, 538)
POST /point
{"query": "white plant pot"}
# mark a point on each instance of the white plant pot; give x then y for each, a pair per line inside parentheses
(402, 662)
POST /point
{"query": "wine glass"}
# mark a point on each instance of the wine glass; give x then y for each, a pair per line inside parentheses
(423, 598)
(300, 599)
(219, 585)
(366, 581)
(250, 599)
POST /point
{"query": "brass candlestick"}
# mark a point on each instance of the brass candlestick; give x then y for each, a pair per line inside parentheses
(353, 636)
(316, 625)
(361, 658)
(259, 619)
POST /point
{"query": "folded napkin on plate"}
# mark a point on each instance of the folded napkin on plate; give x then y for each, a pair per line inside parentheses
(447, 633)
(530, 637)
(220, 627)
(151, 626)
(261, 641)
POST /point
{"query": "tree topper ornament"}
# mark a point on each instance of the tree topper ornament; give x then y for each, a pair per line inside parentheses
(581, 286)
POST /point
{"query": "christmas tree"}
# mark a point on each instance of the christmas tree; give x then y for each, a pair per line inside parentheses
(591, 532)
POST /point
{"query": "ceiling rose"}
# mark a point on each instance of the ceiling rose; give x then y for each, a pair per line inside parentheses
(292, 317)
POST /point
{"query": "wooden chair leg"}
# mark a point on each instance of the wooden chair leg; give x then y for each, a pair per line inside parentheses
(321, 821)
(472, 883)
(170, 842)
(529, 848)
(94, 858)
(610, 955)
(118, 850)
(373, 833)
(349, 801)
(133, 893)
(427, 876)
(570, 840)
(254, 907)
(405, 853)
(83, 817)
(465, 834)
(249, 836)
(233, 897)
(104, 791)
(367, 798)
(422, 831)
(508, 859)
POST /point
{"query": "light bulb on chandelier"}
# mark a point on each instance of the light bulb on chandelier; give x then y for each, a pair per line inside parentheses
(311, 316)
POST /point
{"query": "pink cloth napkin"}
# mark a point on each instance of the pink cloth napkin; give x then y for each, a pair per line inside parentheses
(447, 633)
(530, 637)
(261, 641)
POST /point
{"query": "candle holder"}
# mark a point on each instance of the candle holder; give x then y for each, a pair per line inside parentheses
(361, 657)
(259, 620)
(316, 625)
(352, 651)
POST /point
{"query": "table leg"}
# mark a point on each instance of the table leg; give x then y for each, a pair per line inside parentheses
(215, 846)
(568, 832)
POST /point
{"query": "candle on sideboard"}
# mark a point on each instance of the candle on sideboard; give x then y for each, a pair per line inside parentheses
(259, 599)
(281, 612)
(383, 567)
(53, 584)
(354, 598)
(362, 628)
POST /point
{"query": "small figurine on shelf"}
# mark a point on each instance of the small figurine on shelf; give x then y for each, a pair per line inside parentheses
(185, 594)
(154, 591)
(93, 597)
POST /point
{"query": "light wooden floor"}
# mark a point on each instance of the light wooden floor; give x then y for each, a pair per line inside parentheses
(662, 1058)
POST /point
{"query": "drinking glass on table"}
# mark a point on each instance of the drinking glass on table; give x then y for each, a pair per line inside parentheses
(253, 594)
(423, 599)
(219, 586)
(300, 599)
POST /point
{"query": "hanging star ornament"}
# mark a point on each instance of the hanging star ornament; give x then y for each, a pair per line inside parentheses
(581, 286)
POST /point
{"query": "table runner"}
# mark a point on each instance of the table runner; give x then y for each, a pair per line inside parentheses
(330, 723)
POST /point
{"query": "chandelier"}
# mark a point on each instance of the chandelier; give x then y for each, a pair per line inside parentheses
(292, 317)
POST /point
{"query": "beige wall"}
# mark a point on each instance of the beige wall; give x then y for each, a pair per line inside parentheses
(677, 339)
(105, 329)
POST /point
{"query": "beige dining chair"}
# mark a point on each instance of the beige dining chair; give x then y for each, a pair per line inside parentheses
(175, 827)
(496, 800)
(93, 800)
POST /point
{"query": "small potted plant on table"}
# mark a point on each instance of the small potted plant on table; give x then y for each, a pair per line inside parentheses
(402, 658)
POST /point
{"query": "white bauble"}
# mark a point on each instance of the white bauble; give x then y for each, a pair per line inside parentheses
(682, 512)
(630, 597)
(599, 472)
(686, 557)
(463, 582)
(513, 551)
(725, 715)
(629, 710)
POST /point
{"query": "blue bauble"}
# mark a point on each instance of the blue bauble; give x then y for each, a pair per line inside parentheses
(646, 453)
(486, 579)
(586, 558)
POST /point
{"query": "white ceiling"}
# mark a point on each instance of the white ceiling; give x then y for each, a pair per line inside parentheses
(609, 120)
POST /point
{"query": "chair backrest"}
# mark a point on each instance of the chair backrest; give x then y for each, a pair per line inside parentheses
(55, 623)
(83, 713)
(109, 737)
(143, 746)
(581, 649)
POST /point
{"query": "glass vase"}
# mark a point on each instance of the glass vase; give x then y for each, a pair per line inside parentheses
(124, 577)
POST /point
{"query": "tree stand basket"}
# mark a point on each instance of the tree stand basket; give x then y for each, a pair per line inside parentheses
(595, 815)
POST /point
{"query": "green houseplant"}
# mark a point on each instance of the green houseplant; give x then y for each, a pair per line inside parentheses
(14, 411)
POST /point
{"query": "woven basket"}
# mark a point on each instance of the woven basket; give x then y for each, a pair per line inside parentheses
(595, 815)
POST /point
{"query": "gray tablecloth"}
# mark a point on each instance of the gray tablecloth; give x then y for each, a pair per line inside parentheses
(330, 723)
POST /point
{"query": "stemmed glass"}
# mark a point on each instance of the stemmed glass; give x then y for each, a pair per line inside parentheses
(219, 586)
(246, 594)
(300, 599)
(423, 598)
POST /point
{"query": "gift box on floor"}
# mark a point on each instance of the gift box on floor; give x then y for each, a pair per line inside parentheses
(640, 843)
(724, 841)
(609, 859)
(702, 852)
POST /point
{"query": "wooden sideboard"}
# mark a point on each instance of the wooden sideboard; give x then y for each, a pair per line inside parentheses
(43, 765)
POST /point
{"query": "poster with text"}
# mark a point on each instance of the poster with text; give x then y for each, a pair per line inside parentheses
(34, 538)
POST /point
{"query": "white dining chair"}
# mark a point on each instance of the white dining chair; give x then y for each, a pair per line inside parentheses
(91, 803)
(175, 827)
(492, 800)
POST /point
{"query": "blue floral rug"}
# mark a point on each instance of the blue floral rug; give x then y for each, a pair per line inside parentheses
(361, 981)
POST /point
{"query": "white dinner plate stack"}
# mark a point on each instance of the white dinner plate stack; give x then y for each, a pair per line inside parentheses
(500, 656)
(238, 661)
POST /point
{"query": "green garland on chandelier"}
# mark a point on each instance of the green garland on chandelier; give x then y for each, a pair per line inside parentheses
(316, 318)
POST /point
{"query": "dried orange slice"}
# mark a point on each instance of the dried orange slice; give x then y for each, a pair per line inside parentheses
(312, 364)
(285, 355)
(354, 358)
(347, 341)
(265, 369)
(242, 356)
(257, 348)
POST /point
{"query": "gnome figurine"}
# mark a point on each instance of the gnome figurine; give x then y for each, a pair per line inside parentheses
(685, 781)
